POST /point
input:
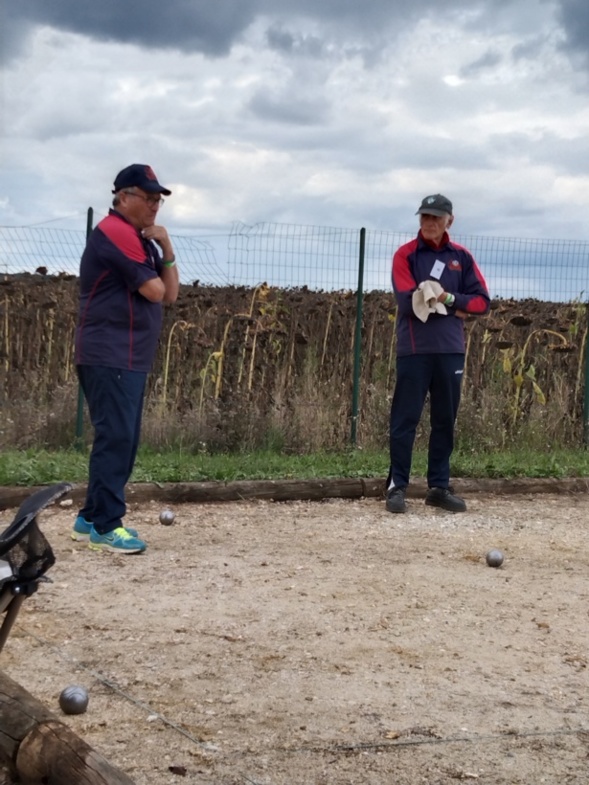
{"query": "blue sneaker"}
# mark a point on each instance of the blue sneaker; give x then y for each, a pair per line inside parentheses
(119, 540)
(81, 530)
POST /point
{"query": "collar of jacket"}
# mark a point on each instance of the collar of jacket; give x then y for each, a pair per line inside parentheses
(445, 241)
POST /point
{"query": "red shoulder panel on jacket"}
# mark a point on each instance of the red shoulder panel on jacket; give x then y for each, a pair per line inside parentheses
(124, 237)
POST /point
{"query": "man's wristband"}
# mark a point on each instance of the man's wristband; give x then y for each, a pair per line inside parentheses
(169, 262)
(449, 299)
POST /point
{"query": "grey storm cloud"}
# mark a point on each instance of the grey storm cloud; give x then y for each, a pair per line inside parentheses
(289, 109)
(574, 15)
(488, 61)
(208, 27)
(282, 40)
(213, 26)
(530, 50)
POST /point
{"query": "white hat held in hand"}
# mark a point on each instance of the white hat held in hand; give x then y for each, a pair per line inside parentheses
(425, 300)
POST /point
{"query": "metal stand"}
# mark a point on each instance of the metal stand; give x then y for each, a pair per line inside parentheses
(25, 555)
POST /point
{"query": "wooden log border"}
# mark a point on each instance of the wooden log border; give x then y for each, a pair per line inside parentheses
(304, 490)
(41, 749)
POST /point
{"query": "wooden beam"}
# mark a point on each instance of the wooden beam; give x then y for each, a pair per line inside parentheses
(305, 490)
(43, 749)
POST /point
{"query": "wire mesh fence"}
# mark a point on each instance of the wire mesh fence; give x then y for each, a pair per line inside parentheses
(58, 251)
(271, 349)
(328, 258)
(319, 258)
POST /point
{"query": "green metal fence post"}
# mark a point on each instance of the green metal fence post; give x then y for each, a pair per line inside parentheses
(358, 337)
(80, 410)
(586, 393)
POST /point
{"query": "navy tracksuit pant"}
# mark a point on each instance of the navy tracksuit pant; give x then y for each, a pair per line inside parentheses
(115, 403)
(440, 375)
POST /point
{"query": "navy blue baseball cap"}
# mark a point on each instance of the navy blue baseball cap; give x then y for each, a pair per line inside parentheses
(140, 176)
(435, 205)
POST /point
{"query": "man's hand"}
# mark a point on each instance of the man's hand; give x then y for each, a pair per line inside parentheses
(169, 276)
(159, 234)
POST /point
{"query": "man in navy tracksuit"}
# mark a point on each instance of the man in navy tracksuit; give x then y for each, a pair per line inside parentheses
(127, 272)
(437, 283)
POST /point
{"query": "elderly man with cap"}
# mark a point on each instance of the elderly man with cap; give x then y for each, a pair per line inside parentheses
(128, 270)
(437, 283)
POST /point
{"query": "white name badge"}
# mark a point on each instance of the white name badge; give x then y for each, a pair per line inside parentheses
(437, 269)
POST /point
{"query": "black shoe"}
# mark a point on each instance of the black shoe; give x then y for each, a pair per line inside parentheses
(396, 500)
(444, 498)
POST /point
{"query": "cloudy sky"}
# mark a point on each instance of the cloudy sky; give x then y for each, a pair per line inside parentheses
(321, 112)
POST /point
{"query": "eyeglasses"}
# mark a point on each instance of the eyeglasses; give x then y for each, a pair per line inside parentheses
(152, 201)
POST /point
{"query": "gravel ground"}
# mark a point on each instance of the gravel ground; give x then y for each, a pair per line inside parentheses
(323, 643)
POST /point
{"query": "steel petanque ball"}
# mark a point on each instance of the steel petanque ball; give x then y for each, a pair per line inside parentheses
(167, 517)
(494, 558)
(73, 700)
